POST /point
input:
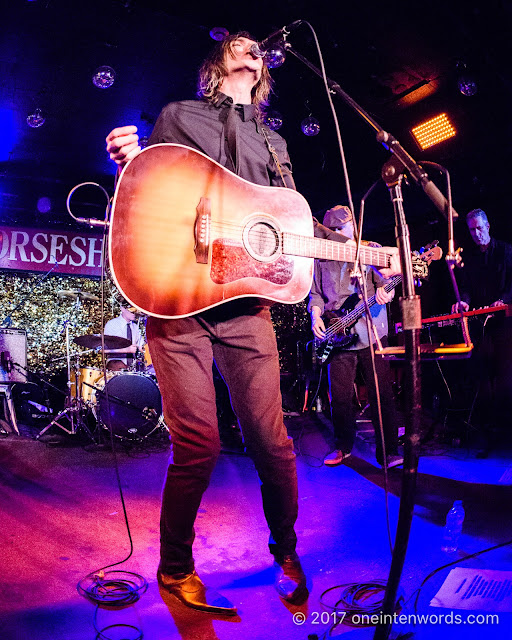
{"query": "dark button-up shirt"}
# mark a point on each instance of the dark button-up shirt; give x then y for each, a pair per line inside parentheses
(487, 275)
(200, 124)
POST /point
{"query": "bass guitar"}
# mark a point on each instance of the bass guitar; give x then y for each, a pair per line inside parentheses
(339, 331)
(187, 235)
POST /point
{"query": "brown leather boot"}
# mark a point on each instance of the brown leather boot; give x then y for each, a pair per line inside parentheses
(190, 590)
(290, 582)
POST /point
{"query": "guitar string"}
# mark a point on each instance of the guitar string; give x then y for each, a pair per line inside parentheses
(334, 326)
(373, 254)
(378, 257)
(337, 324)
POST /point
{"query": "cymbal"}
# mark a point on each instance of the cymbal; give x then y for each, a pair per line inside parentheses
(93, 341)
(73, 294)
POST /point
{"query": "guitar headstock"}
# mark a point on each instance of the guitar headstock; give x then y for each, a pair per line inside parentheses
(421, 259)
(431, 252)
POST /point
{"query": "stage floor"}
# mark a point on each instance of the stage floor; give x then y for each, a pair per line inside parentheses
(62, 518)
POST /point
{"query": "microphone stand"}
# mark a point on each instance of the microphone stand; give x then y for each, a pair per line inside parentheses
(392, 173)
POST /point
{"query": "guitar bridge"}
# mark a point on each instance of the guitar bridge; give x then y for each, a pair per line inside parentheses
(202, 230)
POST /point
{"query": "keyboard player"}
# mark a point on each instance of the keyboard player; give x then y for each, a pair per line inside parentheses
(486, 281)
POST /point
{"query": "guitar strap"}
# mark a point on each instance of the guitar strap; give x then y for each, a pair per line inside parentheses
(273, 153)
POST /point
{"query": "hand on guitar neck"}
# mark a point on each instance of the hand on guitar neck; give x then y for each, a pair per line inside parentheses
(318, 325)
(384, 297)
(394, 262)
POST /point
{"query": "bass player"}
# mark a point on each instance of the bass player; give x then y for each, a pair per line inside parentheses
(332, 286)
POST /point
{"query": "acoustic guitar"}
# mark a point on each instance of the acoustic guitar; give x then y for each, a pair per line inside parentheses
(187, 235)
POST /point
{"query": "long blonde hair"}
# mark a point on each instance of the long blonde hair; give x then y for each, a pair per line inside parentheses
(213, 71)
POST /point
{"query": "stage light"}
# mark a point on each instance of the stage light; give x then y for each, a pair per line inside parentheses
(466, 83)
(104, 77)
(273, 120)
(467, 86)
(275, 57)
(36, 119)
(44, 204)
(219, 33)
(433, 131)
(310, 126)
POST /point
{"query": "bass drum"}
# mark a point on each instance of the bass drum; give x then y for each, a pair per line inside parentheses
(130, 403)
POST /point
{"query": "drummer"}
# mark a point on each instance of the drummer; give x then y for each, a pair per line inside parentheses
(124, 326)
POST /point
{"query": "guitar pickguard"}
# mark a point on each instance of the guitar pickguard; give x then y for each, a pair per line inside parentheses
(230, 262)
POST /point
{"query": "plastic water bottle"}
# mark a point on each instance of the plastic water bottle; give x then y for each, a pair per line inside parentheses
(453, 527)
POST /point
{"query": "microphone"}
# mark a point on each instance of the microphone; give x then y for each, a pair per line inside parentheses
(259, 49)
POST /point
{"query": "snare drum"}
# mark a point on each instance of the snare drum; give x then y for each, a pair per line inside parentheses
(87, 375)
(130, 402)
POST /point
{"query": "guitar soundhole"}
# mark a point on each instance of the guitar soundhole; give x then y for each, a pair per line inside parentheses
(261, 241)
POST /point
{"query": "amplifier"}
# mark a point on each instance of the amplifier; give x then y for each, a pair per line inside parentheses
(13, 355)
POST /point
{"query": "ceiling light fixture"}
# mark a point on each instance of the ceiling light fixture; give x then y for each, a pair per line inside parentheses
(433, 131)
(465, 81)
(36, 119)
(104, 77)
(310, 126)
(219, 33)
(273, 120)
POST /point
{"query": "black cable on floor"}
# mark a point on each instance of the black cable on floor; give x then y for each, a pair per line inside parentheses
(451, 564)
(100, 633)
(356, 603)
(111, 589)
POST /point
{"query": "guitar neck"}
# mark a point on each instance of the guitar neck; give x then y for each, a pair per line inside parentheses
(359, 309)
(330, 250)
(395, 281)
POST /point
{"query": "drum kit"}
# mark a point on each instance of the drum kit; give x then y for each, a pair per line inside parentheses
(127, 403)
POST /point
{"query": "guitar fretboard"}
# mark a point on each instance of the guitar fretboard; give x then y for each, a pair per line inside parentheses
(331, 250)
(340, 324)
(361, 307)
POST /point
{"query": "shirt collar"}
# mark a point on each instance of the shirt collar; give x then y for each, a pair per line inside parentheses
(248, 111)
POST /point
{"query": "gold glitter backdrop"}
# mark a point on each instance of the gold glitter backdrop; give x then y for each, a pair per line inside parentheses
(293, 330)
(43, 316)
